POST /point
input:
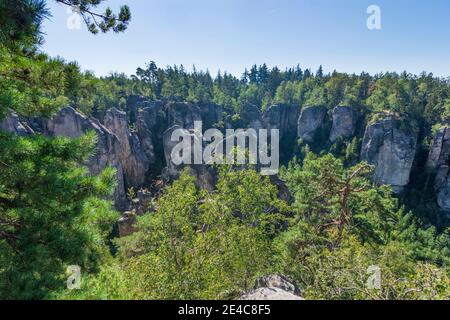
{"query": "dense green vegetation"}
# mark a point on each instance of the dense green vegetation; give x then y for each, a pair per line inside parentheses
(214, 245)
(198, 244)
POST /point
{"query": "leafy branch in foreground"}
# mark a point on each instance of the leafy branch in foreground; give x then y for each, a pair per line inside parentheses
(95, 21)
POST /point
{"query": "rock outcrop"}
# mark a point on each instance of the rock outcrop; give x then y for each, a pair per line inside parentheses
(133, 157)
(13, 124)
(281, 117)
(205, 175)
(126, 224)
(70, 123)
(391, 150)
(273, 287)
(439, 164)
(183, 114)
(310, 121)
(213, 116)
(344, 123)
(251, 118)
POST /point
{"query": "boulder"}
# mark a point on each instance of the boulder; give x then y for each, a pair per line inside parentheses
(144, 202)
(273, 287)
(344, 123)
(126, 224)
(310, 121)
(391, 150)
(132, 155)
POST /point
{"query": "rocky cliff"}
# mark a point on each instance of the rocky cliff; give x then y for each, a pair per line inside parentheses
(391, 150)
(344, 123)
(439, 164)
(138, 144)
(310, 121)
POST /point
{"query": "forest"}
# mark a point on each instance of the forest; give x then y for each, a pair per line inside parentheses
(203, 244)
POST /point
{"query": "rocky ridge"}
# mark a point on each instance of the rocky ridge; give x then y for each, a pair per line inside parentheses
(138, 144)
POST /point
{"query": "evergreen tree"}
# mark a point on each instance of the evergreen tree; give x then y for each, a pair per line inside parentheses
(50, 214)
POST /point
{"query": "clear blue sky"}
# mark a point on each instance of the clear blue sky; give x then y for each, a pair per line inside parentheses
(233, 34)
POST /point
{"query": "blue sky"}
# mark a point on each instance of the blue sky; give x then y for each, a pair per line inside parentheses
(233, 34)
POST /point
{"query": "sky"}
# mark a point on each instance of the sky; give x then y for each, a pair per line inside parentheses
(231, 35)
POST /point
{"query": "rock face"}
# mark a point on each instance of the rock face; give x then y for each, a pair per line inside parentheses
(391, 150)
(251, 118)
(205, 175)
(439, 164)
(344, 123)
(309, 122)
(70, 123)
(183, 114)
(13, 124)
(151, 122)
(132, 155)
(281, 117)
(273, 287)
(212, 116)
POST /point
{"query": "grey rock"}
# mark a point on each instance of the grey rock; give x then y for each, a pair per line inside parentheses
(133, 157)
(70, 123)
(144, 203)
(126, 224)
(440, 150)
(13, 124)
(205, 175)
(252, 118)
(213, 116)
(391, 150)
(344, 123)
(277, 281)
(438, 163)
(183, 114)
(281, 117)
(310, 121)
(273, 287)
(270, 294)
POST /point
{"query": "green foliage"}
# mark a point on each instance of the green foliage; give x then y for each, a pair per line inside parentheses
(50, 213)
(30, 82)
(201, 246)
(344, 225)
(95, 22)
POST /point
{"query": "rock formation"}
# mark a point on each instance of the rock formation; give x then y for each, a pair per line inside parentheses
(133, 157)
(273, 287)
(140, 150)
(251, 118)
(213, 116)
(183, 114)
(439, 164)
(14, 125)
(344, 123)
(70, 123)
(126, 224)
(310, 121)
(205, 175)
(282, 117)
(391, 150)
